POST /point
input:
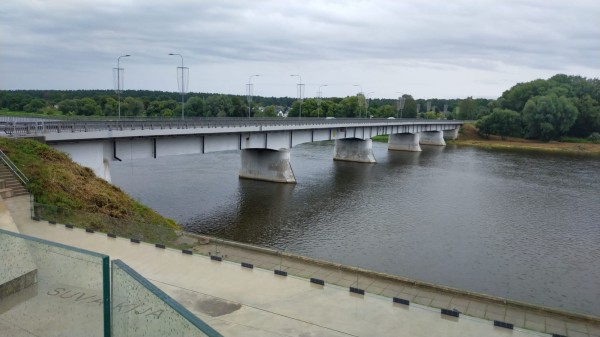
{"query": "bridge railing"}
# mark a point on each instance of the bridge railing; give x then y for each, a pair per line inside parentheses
(40, 127)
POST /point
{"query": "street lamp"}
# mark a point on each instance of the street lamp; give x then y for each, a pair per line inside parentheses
(183, 82)
(118, 73)
(299, 94)
(359, 105)
(319, 100)
(250, 93)
(367, 100)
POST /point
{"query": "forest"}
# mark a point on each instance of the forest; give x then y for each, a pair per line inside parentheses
(551, 109)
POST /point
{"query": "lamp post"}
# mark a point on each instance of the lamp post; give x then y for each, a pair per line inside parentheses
(299, 94)
(359, 105)
(118, 76)
(367, 100)
(319, 100)
(183, 82)
(250, 93)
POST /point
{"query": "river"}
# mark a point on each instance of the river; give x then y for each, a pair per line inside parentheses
(517, 224)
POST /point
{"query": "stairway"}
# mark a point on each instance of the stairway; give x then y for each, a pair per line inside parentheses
(10, 186)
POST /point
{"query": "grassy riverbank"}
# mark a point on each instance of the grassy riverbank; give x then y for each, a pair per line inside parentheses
(66, 192)
(468, 136)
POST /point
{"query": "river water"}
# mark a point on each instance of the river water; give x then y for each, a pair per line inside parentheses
(516, 224)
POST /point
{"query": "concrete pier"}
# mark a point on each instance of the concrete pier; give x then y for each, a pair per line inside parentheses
(451, 134)
(356, 150)
(267, 165)
(432, 138)
(93, 154)
(404, 142)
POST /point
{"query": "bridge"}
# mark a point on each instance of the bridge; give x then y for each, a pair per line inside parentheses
(264, 144)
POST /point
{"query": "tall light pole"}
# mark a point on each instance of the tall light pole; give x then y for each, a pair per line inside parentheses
(361, 92)
(118, 76)
(367, 100)
(250, 93)
(319, 100)
(299, 94)
(183, 82)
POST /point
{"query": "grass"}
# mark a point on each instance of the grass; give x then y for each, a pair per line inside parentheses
(470, 136)
(383, 138)
(70, 193)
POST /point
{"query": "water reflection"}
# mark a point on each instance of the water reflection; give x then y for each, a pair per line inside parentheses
(523, 225)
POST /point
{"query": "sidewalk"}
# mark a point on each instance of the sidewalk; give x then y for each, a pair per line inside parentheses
(240, 301)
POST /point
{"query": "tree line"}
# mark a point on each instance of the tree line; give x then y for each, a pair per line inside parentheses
(549, 109)
(145, 103)
(561, 106)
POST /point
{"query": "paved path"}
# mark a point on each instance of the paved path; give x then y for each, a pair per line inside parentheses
(238, 301)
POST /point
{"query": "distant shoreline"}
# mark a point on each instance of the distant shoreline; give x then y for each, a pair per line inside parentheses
(468, 136)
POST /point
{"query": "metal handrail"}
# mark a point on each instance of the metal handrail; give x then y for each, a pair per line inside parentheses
(15, 170)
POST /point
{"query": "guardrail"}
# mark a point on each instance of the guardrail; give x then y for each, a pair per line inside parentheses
(15, 170)
(53, 126)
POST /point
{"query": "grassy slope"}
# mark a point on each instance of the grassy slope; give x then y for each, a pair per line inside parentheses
(79, 197)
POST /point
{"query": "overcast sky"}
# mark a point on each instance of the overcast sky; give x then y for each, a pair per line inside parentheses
(426, 48)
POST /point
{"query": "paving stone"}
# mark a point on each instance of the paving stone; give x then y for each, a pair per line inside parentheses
(535, 326)
(423, 300)
(577, 326)
(574, 333)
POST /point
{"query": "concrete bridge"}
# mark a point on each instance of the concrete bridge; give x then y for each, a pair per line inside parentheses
(265, 144)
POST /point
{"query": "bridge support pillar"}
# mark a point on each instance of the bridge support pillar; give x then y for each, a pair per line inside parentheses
(404, 142)
(353, 149)
(451, 134)
(267, 165)
(95, 155)
(432, 138)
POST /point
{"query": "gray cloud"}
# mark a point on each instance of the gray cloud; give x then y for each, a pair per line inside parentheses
(421, 46)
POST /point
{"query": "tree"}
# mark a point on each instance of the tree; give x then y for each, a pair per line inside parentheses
(35, 105)
(410, 107)
(88, 107)
(548, 117)
(588, 120)
(467, 109)
(218, 106)
(69, 106)
(194, 106)
(269, 111)
(133, 107)
(110, 106)
(501, 122)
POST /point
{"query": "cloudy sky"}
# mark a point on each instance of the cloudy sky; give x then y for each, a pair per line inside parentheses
(427, 48)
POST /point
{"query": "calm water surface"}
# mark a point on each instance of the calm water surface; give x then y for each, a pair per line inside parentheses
(520, 225)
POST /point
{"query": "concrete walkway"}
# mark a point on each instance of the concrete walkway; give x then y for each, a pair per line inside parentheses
(239, 301)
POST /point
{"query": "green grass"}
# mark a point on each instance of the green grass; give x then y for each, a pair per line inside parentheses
(383, 138)
(69, 193)
(579, 140)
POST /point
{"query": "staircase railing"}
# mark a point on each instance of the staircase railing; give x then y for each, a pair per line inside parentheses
(15, 170)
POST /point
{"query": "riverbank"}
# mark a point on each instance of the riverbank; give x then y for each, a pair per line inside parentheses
(468, 136)
(250, 260)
